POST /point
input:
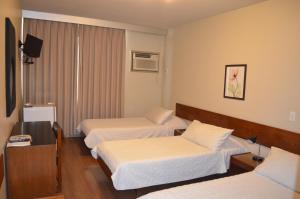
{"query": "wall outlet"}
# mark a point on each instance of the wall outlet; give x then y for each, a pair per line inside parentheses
(292, 116)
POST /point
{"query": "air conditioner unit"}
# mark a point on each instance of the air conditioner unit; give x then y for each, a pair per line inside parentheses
(145, 61)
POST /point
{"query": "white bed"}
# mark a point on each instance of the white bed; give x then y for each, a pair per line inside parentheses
(244, 186)
(99, 130)
(146, 162)
(278, 177)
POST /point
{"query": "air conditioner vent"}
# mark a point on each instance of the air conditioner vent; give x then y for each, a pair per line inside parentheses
(145, 61)
(143, 55)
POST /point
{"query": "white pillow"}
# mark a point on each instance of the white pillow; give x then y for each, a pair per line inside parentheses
(159, 115)
(207, 135)
(233, 142)
(176, 123)
(282, 167)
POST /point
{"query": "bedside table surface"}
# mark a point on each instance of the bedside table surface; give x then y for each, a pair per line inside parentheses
(245, 161)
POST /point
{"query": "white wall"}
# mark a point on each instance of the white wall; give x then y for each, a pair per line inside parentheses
(143, 90)
(167, 88)
(266, 36)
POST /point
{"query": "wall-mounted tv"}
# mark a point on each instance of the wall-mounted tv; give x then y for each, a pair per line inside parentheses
(10, 66)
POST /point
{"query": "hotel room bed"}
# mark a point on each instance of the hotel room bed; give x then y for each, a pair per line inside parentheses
(147, 162)
(278, 177)
(159, 122)
(99, 130)
(126, 164)
(244, 186)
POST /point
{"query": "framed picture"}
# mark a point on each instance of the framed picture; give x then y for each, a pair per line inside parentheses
(10, 66)
(235, 81)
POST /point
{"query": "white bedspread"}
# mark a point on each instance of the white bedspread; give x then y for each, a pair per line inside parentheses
(245, 186)
(146, 162)
(99, 130)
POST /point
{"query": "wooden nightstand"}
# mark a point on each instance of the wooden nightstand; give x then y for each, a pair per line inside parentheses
(242, 163)
(178, 132)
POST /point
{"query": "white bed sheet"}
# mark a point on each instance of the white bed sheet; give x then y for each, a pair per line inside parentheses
(146, 162)
(244, 186)
(99, 130)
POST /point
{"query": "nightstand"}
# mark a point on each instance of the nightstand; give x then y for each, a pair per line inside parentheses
(242, 163)
(178, 132)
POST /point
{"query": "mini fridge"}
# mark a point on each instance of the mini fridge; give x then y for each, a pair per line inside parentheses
(33, 113)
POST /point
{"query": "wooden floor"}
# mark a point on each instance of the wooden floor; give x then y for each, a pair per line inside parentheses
(83, 178)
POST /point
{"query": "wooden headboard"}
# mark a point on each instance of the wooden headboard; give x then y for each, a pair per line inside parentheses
(266, 135)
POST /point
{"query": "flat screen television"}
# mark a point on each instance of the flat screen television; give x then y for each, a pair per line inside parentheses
(10, 66)
(32, 46)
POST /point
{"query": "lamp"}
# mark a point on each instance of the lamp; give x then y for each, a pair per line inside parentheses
(253, 140)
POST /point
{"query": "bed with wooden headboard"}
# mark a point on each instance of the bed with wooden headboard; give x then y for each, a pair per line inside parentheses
(266, 135)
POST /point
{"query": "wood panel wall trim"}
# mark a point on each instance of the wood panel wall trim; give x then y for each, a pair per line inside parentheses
(266, 135)
(1, 169)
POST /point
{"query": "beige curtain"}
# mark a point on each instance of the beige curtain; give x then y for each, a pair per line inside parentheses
(52, 78)
(80, 70)
(100, 77)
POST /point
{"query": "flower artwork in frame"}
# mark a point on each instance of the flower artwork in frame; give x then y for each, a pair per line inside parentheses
(235, 81)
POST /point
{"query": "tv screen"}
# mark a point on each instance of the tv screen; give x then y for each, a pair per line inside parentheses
(32, 46)
(10, 66)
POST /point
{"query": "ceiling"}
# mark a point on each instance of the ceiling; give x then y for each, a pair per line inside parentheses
(153, 13)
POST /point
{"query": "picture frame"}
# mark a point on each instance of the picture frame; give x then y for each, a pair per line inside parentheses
(10, 66)
(235, 81)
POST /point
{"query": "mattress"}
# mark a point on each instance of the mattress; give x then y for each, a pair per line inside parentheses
(244, 186)
(146, 162)
(99, 130)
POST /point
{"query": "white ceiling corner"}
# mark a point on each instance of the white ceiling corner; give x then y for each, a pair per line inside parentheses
(152, 13)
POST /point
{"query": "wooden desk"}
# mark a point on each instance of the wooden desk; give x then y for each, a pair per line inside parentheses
(31, 170)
